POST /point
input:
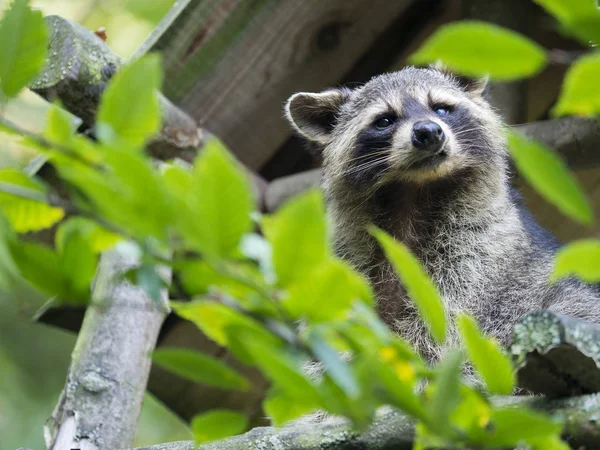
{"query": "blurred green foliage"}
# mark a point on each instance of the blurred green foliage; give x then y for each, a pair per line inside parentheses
(247, 291)
(34, 358)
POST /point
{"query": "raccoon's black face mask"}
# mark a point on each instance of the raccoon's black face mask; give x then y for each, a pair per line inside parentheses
(415, 125)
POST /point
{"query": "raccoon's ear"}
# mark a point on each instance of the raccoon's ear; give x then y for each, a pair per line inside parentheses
(475, 87)
(314, 115)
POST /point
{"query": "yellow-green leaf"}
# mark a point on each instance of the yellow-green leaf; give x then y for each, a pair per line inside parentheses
(24, 213)
(549, 175)
(419, 286)
(581, 259)
(98, 237)
(580, 94)
(218, 424)
(278, 365)
(478, 48)
(8, 269)
(77, 261)
(40, 266)
(199, 368)
(217, 320)
(298, 234)
(446, 391)
(282, 408)
(23, 43)
(60, 127)
(577, 18)
(129, 110)
(220, 202)
(494, 366)
(328, 293)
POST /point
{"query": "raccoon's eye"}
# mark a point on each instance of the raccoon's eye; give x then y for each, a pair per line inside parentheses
(384, 122)
(442, 110)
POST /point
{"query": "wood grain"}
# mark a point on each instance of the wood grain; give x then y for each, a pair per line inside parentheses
(246, 57)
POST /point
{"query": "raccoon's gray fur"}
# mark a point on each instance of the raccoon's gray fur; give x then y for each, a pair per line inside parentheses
(453, 206)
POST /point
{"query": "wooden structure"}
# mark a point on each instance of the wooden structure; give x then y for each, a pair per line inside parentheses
(231, 64)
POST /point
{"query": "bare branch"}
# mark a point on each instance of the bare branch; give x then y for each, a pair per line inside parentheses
(79, 66)
(100, 404)
(395, 431)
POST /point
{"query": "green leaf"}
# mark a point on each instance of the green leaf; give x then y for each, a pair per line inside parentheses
(40, 266)
(257, 248)
(581, 259)
(328, 293)
(237, 281)
(487, 357)
(24, 37)
(548, 174)
(77, 262)
(511, 426)
(426, 439)
(281, 408)
(218, 424)
(472, 415)
(219, 205)
(298, 235)
(282, 368)
(446, 396)
(577, 18)
(477, 49)
(337, 369)
(8, 269)
(199, 368)
(398, 377)
(98, 238)
(567, 10)
(60, 127)
(151, 12)
(580, 94)
(129, 110)
(24, 214)
(552, 442)
(217, 320)
(120, 193)
(419, 286)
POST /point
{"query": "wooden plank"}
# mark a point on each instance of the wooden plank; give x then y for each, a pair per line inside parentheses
(232, 63)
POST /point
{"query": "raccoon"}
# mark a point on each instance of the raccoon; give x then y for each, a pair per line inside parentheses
(421, 154)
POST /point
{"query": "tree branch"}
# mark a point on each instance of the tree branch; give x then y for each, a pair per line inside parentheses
(100, 404)
(395, 431)
(557, 355)
(79, 66)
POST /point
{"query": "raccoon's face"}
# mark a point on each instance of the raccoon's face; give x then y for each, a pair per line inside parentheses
(416, 125)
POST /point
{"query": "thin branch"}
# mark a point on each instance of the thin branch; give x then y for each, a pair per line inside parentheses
(46, 144)
(395, 431)
(23, 192)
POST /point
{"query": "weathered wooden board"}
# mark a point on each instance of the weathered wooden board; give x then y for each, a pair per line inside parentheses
(245, 57)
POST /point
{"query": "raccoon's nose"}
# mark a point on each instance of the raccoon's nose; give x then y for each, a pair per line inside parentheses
(427, 135)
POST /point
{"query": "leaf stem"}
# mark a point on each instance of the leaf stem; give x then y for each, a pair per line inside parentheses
(23, 192)
(46, 144)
